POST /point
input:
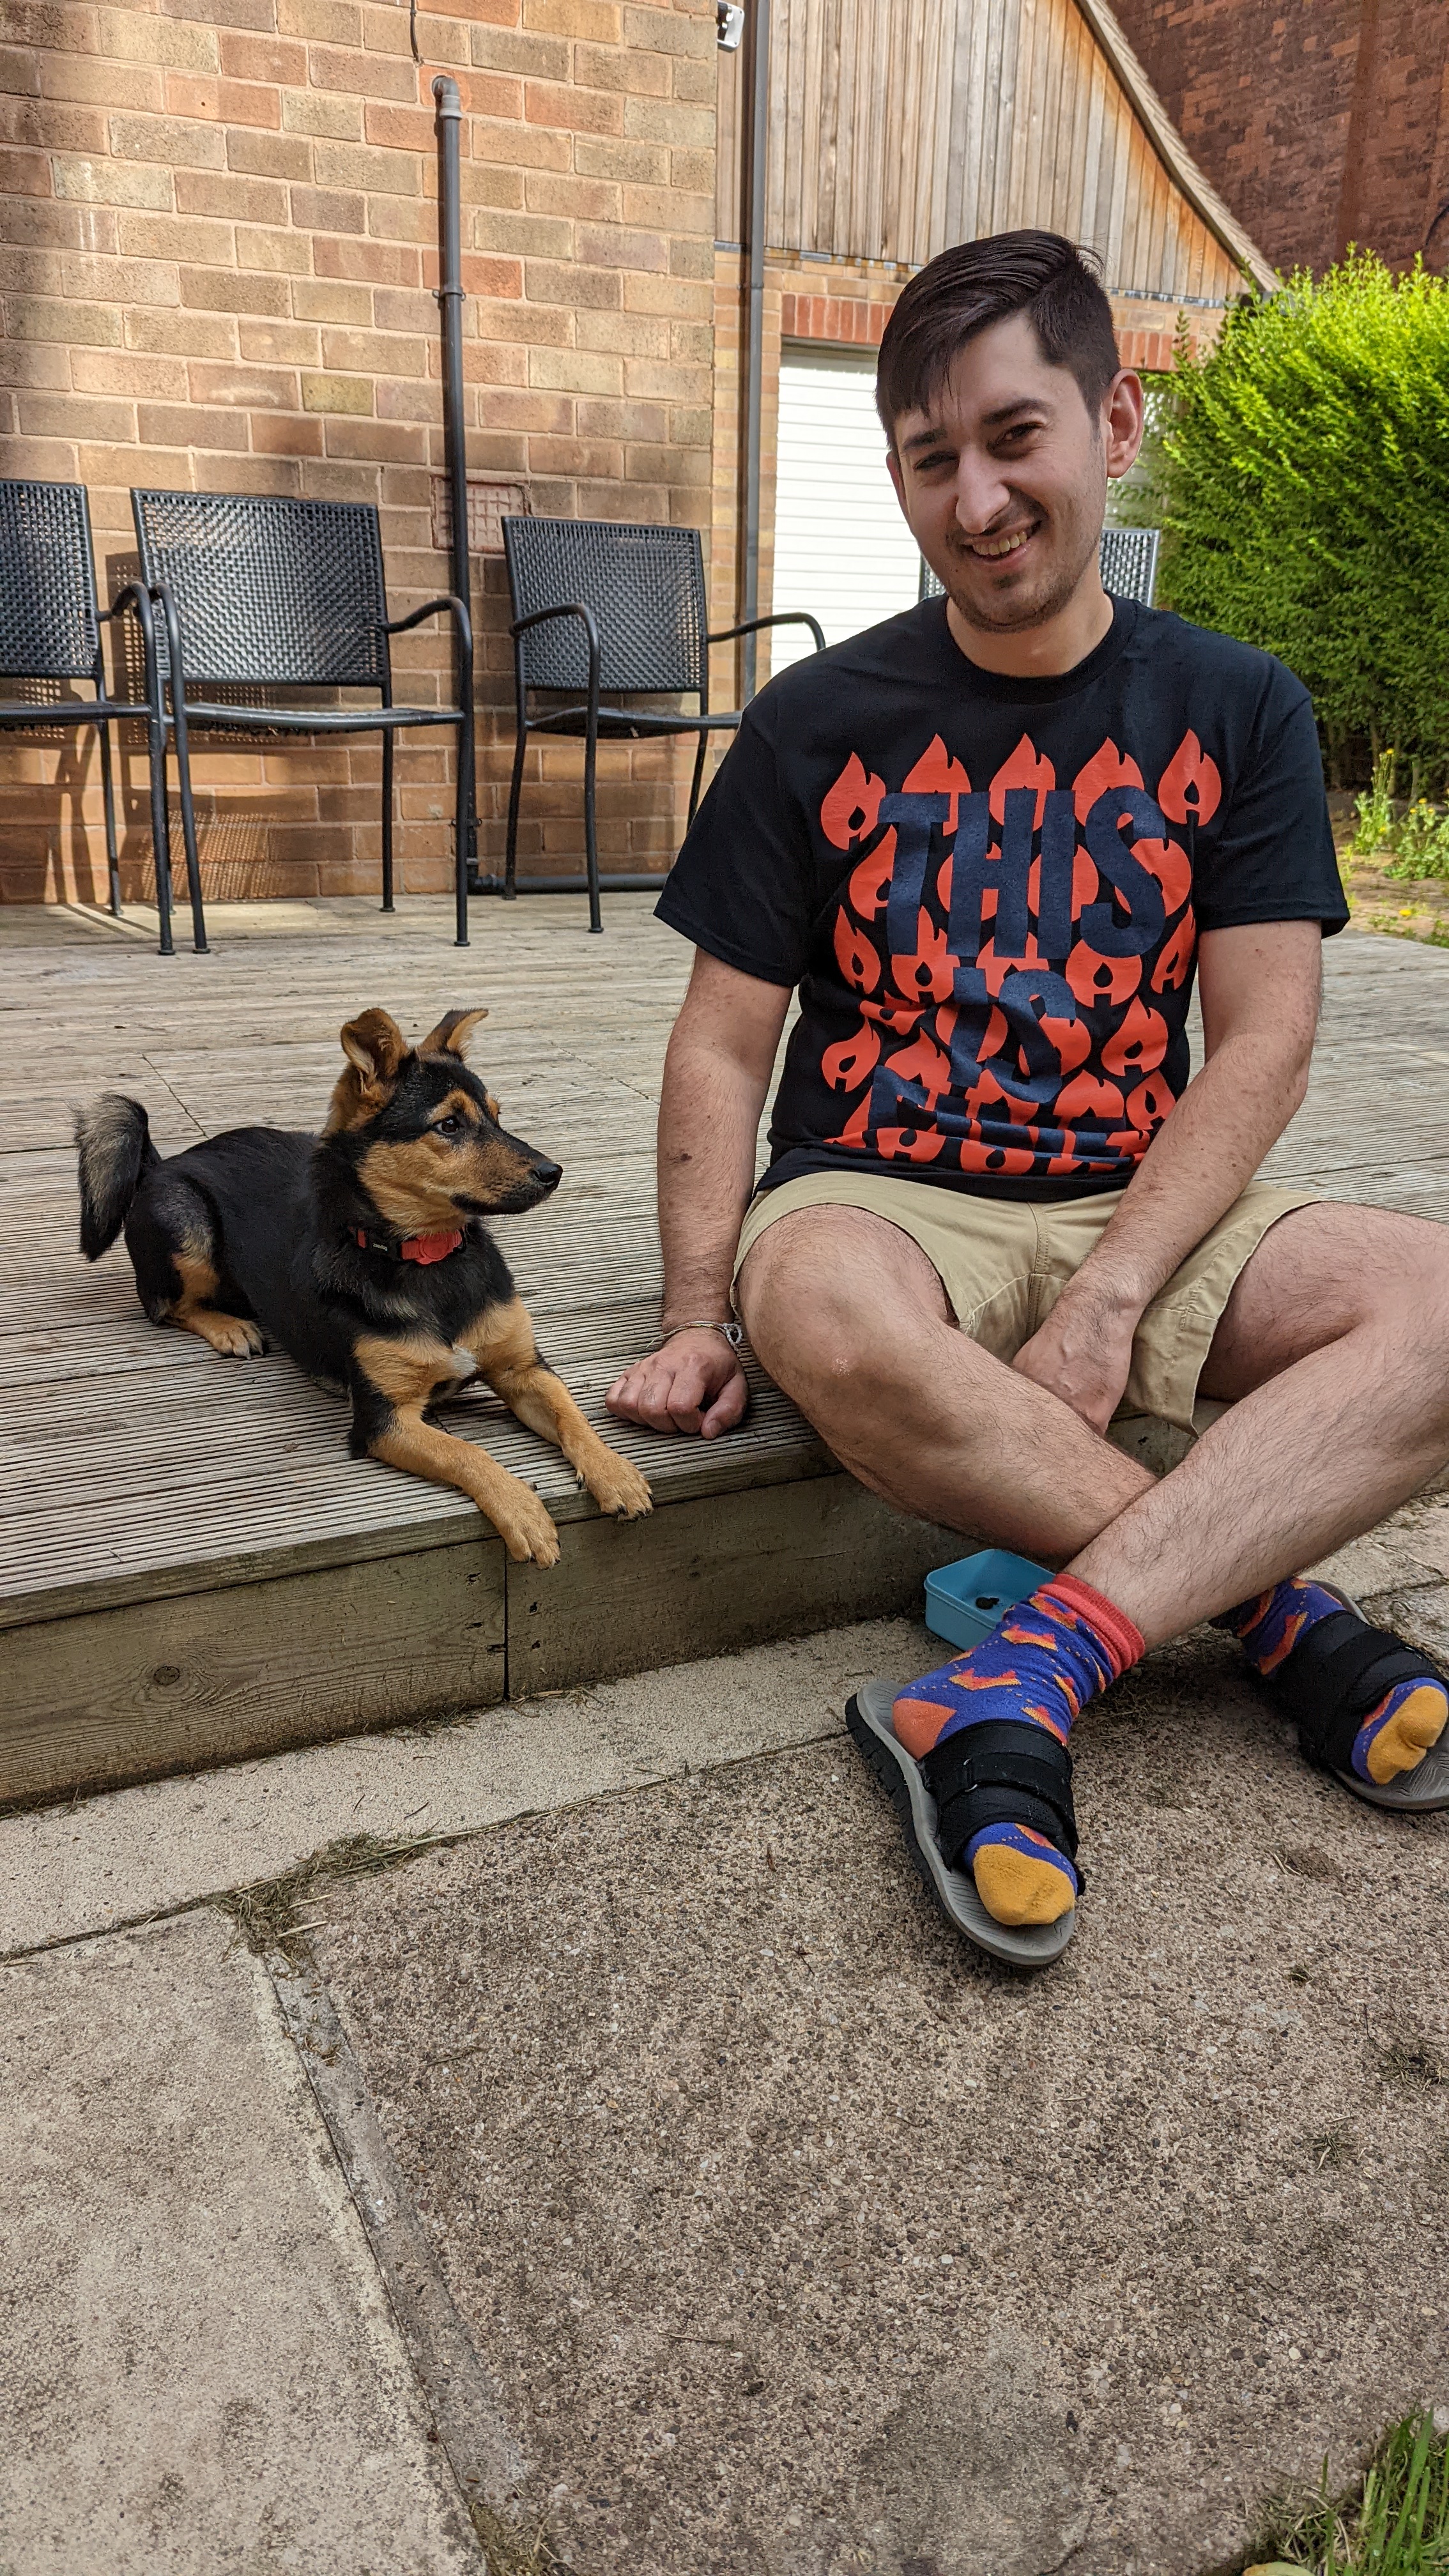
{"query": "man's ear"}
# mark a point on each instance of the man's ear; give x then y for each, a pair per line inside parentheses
(375, 1045)
(452, 1033)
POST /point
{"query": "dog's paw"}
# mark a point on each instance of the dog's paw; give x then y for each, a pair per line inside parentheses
(618, 1487)
(526, 1529)
(235, 1339)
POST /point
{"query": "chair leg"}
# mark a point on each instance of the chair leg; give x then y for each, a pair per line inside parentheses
(161, 834)
(387, 746)
(188, 825)
(697, 780)
(591, 845)
(460, 828)
(515, 791)
(113, 865)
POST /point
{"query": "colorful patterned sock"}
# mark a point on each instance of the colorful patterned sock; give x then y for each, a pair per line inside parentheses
(1408, 1719)
(1041, 1664)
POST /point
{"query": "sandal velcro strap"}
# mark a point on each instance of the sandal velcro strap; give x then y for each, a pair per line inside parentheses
(1005, 1771)
(1339, 1670)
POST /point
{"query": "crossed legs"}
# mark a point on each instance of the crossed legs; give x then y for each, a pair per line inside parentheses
(1333, 1351)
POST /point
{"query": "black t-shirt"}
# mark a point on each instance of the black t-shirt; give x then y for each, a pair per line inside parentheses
(989, 890)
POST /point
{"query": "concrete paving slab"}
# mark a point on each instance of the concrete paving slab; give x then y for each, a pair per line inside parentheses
(202, 2372)
(801, 2240)
(113, 1859)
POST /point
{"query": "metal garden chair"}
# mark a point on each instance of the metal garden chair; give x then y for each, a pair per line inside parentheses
(601, 607)
(288, 594)
(50, 630)
(1129, 562)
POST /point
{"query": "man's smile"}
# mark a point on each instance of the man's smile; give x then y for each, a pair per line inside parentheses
(1005, 542)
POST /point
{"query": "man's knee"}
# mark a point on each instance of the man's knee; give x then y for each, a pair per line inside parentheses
(830, 1294)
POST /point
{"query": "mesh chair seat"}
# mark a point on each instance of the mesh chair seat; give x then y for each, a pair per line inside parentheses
(263, 593)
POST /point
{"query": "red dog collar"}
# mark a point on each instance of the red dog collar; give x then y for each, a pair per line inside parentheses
(422, 1248)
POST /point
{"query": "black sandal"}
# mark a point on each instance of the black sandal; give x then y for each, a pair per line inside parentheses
(1339, 1670)
(983, 1775)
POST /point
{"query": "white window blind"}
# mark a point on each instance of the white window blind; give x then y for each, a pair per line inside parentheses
(842, 549)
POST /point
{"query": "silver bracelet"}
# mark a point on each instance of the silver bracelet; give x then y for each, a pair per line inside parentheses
(733, 1333)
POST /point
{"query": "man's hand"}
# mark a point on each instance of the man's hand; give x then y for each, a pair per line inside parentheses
(693, 1382)
(1083, 1353)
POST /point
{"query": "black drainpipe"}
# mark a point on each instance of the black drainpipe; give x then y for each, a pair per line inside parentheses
(450, 302)
(755, 174)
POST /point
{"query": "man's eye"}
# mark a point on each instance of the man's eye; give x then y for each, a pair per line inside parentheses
(448, 1127)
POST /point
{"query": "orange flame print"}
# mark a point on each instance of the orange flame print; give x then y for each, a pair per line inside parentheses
(851, 805)
(1190, 784)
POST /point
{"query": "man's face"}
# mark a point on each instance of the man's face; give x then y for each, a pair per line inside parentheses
(1003, 479)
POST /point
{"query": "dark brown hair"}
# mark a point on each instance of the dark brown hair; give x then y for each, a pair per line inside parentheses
(965, 289)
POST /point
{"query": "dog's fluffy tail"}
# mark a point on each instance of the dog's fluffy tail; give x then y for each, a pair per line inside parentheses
(113, 1140)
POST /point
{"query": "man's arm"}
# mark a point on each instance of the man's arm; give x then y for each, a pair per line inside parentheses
(1259, 987)
(716, 1075)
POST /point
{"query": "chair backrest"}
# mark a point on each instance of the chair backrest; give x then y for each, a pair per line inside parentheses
(269, 592)
(1128, 558)
(49, 626)
(1129, 562)
(645, 587)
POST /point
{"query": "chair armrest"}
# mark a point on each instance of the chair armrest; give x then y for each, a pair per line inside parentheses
(540, 617)
(135, 596)
(457, 608)
(792, 617)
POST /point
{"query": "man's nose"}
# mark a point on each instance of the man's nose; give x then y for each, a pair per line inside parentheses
(981, 496)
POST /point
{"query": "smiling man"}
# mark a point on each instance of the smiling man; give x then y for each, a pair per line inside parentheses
(991, 843)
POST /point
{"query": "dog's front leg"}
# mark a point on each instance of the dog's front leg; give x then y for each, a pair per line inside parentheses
(507, 1354)
(391, 1383)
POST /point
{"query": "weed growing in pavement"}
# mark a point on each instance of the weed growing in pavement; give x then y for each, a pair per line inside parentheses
(1397, 2525)
(1411, 2061)
(1331, 2150)
(268, 1913)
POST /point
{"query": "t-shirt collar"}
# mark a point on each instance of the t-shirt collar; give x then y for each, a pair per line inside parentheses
(1005, 687)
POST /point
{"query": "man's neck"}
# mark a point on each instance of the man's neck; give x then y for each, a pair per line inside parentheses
(1041, 652)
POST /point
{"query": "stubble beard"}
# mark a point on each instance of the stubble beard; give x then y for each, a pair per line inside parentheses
(1014, 611)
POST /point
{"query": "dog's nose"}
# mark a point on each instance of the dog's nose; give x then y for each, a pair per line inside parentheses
(548, 1175)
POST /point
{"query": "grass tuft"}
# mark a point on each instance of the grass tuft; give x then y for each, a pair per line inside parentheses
(1412, 2061)
(1397, 2525)
(274, 1913)
(1332, 2149)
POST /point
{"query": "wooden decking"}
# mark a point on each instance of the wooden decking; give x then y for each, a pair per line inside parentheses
(192, 1566)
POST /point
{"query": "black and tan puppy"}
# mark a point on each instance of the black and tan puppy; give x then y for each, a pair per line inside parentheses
(364, 1254)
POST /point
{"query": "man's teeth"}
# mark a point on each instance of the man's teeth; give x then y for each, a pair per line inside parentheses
(990, 547)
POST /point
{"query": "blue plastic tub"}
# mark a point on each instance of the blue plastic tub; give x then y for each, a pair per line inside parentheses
(964, 1601)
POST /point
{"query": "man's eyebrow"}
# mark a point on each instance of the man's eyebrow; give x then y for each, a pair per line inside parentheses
(997, 419)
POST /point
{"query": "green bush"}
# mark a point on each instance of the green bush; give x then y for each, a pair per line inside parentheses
(1305, 482)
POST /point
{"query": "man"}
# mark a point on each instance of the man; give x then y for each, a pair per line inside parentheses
(991, 842)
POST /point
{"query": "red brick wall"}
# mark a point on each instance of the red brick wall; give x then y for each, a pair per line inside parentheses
(1321, 121)
(218, 241)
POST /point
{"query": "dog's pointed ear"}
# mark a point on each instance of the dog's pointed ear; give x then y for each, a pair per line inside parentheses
(452, 1033)
(375, 1045)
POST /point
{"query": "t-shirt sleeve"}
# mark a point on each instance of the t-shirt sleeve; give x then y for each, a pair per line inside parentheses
(1274, 858)
(741, 887)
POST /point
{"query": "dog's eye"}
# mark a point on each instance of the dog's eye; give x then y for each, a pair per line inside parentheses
(448, 1127)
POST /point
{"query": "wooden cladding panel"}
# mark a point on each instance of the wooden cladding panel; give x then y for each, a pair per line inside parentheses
(899, 126)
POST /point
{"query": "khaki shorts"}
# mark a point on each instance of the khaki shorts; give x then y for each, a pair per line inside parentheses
(1004, 1262)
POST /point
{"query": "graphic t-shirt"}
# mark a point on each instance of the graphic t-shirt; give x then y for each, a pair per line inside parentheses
(989, 890)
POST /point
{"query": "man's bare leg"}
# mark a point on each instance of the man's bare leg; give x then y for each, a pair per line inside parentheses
(849, 1317)
(1334, 1353)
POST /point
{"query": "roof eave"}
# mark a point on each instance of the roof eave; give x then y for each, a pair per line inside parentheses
(1199, 191)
